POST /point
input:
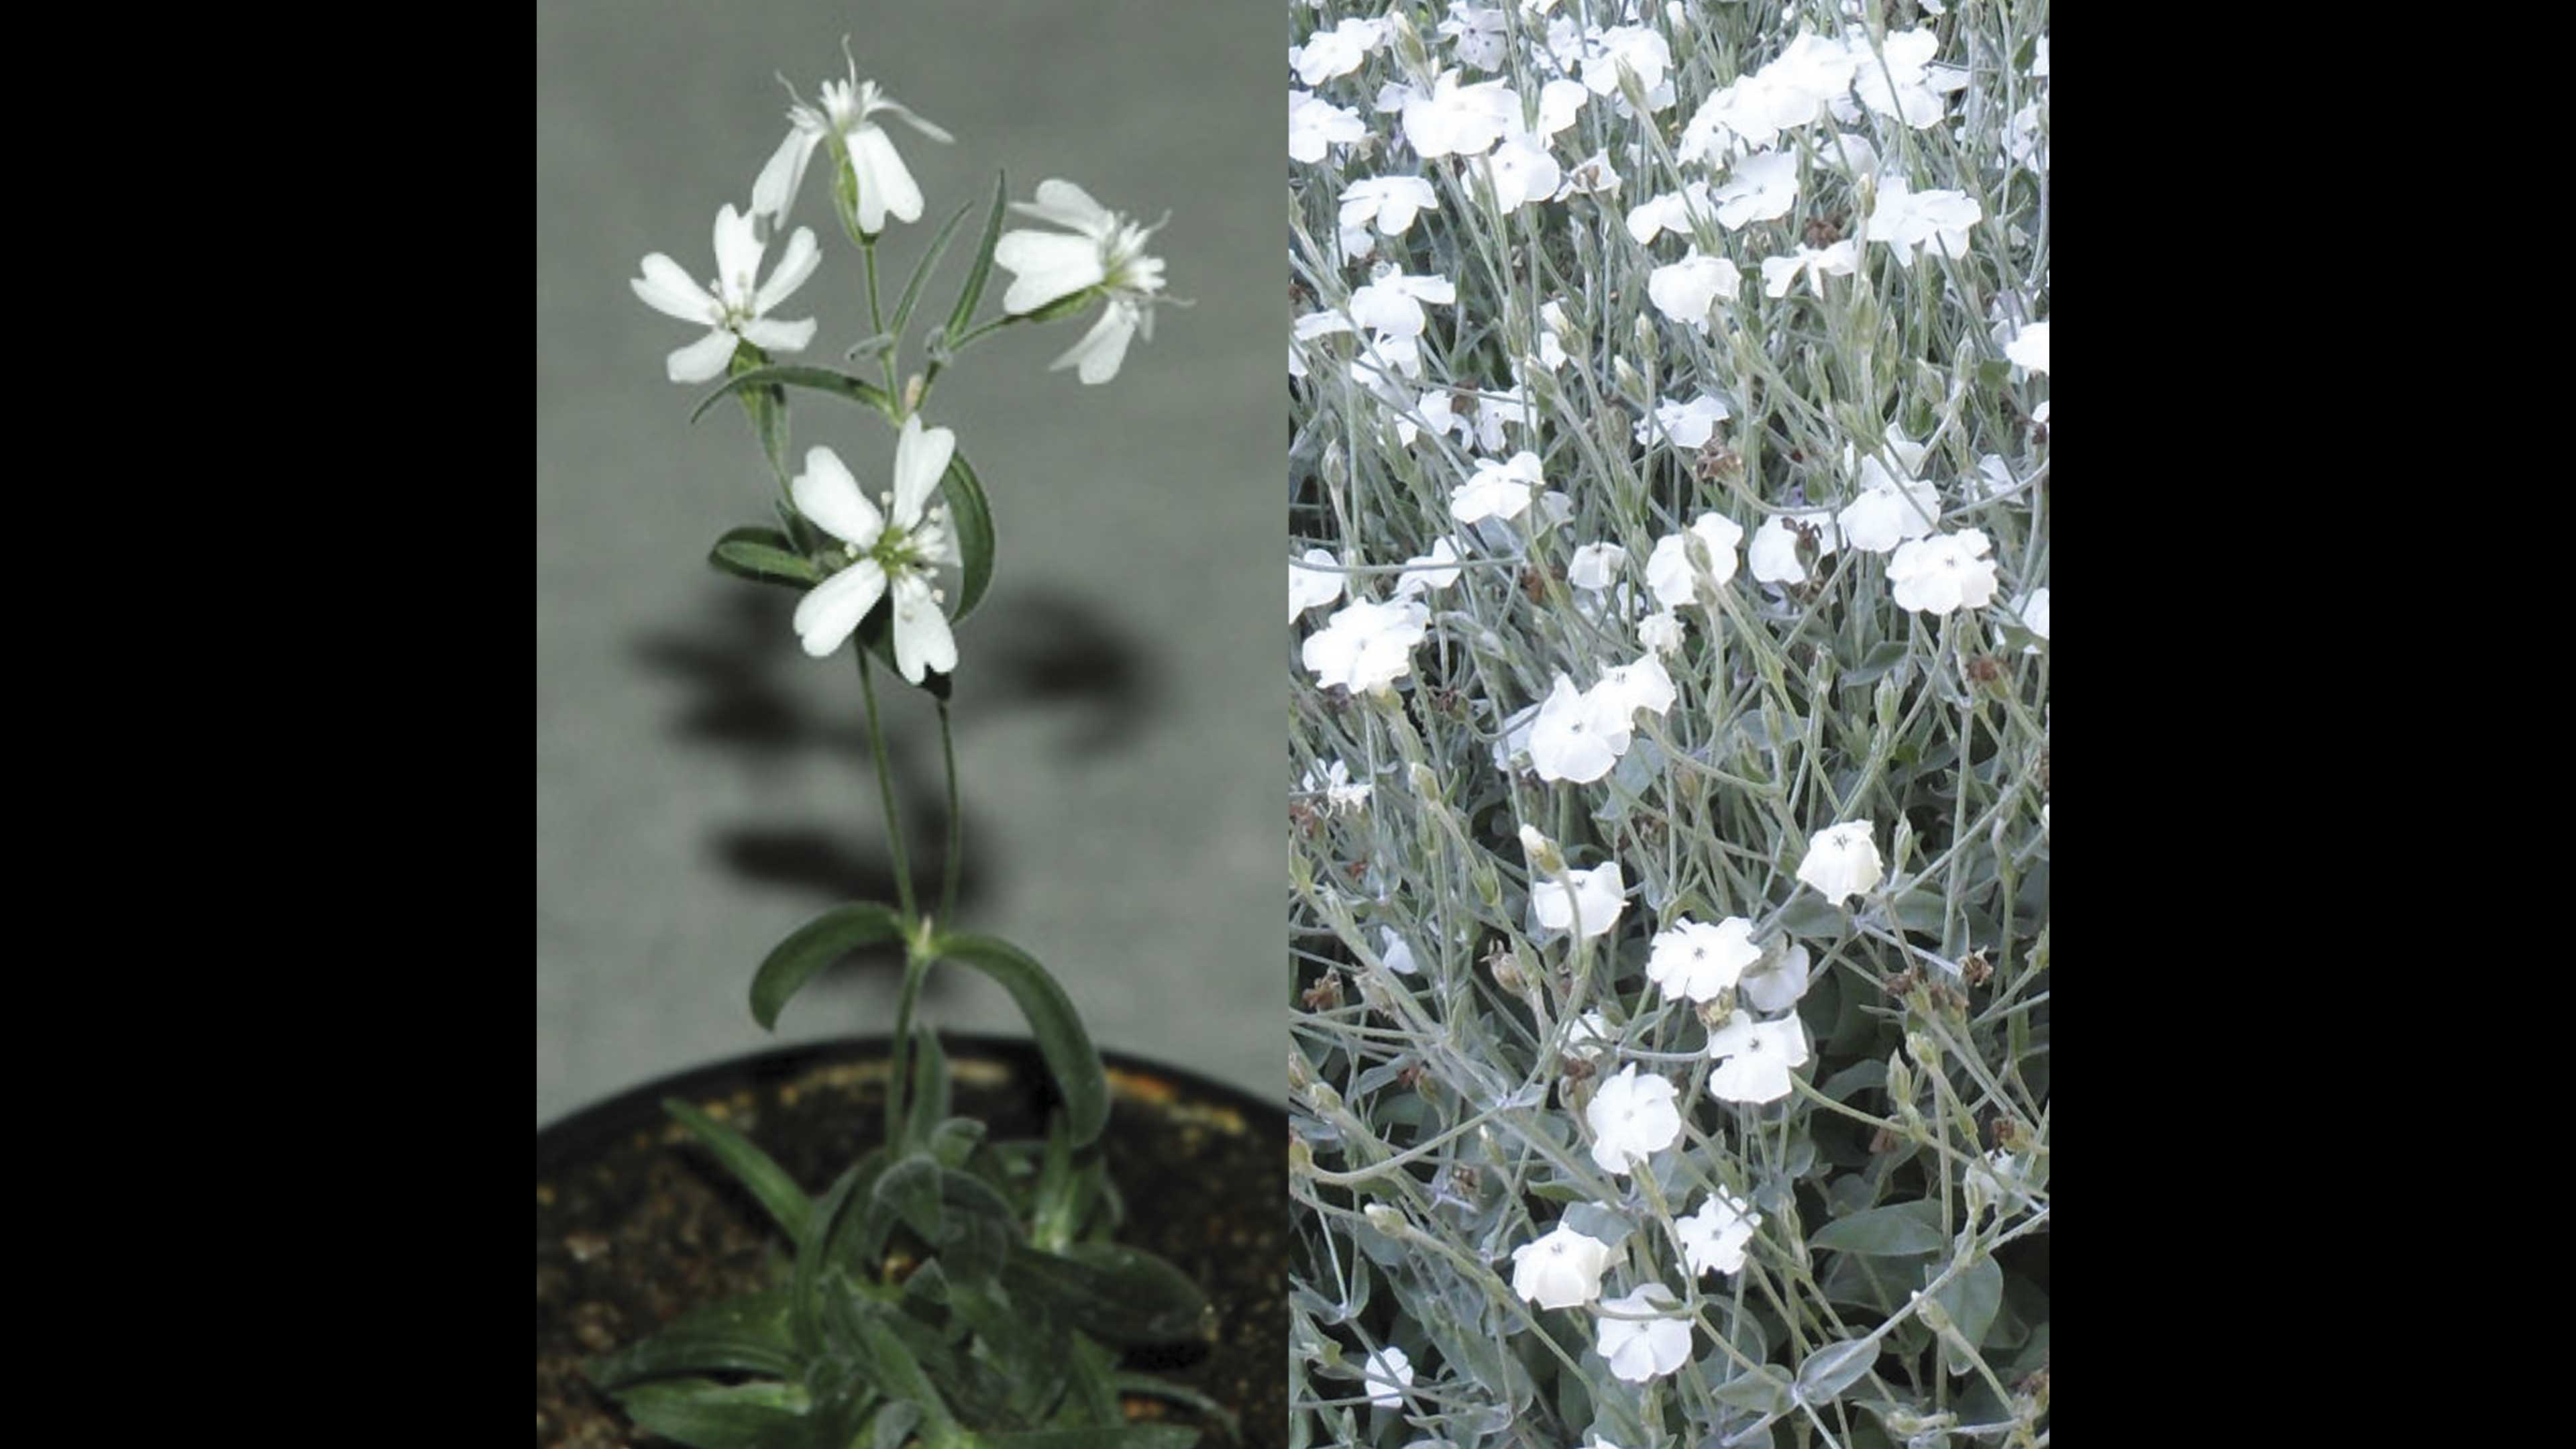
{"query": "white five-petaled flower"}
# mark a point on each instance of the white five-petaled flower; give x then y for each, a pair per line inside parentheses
(1595, 897)
(1454, 119)
(1777, 984)
(1579, 734)
(1561, 1269)
(1892, 506)
(1388, 1373)
(889, 553)
(1315, 123)
(1661, 632)
(1308, 587)
(1939, 575)
(735, 308)
(1632, 1118)
(1779, 274)
(1763, 188)
(1425, 572)
(1640, 1349)
(1687, 290)
(1641, 684)
(1366, 646)
(848, 111)
(1670, 571)
(1754, 1057)
(1104, 254)
(1697, 960)
(1595, 566)
(1905, 219)
(1714, 1238)
(1842, 861)
(1389, 202)
(1498, 490)
(1689, 424)
(1774, 552)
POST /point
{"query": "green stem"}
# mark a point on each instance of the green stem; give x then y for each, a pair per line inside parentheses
(916, 966)
(876, 317)
(885, 789)
(954, 864)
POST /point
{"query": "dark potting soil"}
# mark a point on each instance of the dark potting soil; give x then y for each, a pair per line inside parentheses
(637, 1224)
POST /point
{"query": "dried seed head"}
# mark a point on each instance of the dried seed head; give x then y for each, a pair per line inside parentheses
(1324, 995)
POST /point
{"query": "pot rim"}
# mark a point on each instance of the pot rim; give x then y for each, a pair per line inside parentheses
(584, 1132)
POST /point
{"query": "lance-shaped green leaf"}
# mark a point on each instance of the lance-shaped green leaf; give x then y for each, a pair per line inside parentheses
(1061, 1040)
(813, 1249)
(910, 1190)
(1885, 1232)
(1117, 1294)
(1833, 1368)
(709, 1415)
(813, 946)
(971, 517)
(973, 291)
(764, 555)
(765, 405)
(748, 1334)
(750, 1166)
(921, 272)
(928, 1106)
(819, 379)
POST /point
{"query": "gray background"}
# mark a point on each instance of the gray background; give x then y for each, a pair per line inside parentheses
(702, 786)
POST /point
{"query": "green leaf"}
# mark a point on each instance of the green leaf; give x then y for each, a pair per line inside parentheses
(970, 517)
(1154, 1388)
(1117, 1294)
(710, 1415)
(892, 1365)
(750, 1166)
(1127, 1436)
(1919, 911)
(1067, 1048)
(812, 1250)
(1810, 914)
(766, 406)
(1764, 1390)
(955, 1140)
(1972, 1299)
(815, 945)
(763, 555)
(910, 1190)
(820, 379)
(973, 291)
(747, 1334)
(1885, 1232)
(921, 272)
(1833, 1368)
(929, 1104)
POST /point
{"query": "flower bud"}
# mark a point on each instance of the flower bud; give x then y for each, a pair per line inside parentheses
(1900, 1079)
(1507, 973)
(1301, 1158)
(1385, 1219)
(1322, 1097)
(1542, 852)
(1408, 43)
(1426, 786)
(1925, 1051)
(1885, 699)
(1489, 884)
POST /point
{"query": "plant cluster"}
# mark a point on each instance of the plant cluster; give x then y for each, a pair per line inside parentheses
(1670, 617)
(947, 1289)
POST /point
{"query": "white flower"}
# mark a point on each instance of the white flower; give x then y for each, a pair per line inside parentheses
(1671, 212)
(2033, 609)
(1670, 571)
(734, 308)
(1754, 1057)
(1687, 290)
(1901, 80)
(1640, 49)
(1661, 632)
(1338, 51)
(1595, 565)
(1318, 585)
(1640, 1349)
(890, 554)
(1939, 575)
(1392, 303)
(1425, 572)
(1693, 959)
(1591, 176)
(1639, 685)
(1498, 490)
(1590, 1033)
(1388, 1373)
(1579, 736)
(847, 111)
(1774, 553)
(1764, 187)
(1390, 201)
(1454, 119)
(1632, 1118)
(1842, 861)
(1597, 896)
(1892, 506)
(2030, 349)
(1335, 784)
(1315, 123)
(1521, 171)
(1393, 953)
(1366, 646)
(1905, 219)
(1560, 1270)
(1714, 1238)
(1778, 985)
(1689, 424)
(1104, 256)
(1779, 274)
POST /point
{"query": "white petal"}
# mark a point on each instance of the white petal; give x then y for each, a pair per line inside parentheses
(917, 123)
(794, 265)
(738, 250)
(921, 638)
(667, 289)
(1066, 204)
(826, 493)
(830, 611)
(776, 189)
(920, 457)
(779, 336)
(703, 360)
(1047, 266)
(1102, 348)
(884, 184)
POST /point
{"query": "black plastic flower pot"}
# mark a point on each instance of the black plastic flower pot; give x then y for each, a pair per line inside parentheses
(637, 1223)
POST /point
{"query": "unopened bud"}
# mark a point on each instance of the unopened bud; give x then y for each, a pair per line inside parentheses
(1885, 700)
(1385, 1219)
(1925, 1051)
(1542, 852)
(1301, 1158)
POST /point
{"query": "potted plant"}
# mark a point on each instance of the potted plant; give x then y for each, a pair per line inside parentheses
(891, 1242)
